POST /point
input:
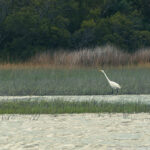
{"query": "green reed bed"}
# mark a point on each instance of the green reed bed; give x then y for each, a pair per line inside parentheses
(61, 107)
(72, 81)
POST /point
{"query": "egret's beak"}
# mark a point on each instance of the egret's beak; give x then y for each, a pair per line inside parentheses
(99, 69)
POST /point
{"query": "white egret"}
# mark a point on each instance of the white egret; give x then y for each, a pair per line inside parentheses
(113, 84)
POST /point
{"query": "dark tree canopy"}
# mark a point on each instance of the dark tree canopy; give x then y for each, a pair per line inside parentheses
(31, 26)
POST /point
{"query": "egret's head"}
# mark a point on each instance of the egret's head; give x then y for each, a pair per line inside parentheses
(102, 71)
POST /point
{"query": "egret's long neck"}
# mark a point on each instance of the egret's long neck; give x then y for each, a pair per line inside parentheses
(106, 77)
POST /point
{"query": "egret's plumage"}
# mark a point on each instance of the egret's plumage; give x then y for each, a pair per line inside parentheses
(113, 84)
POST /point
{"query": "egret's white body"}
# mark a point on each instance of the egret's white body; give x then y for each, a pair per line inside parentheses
(113, 84)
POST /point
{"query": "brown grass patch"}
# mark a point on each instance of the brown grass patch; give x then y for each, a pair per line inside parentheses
(107, 56)
(100, 56)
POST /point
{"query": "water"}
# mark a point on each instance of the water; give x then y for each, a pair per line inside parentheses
(76, 131)
(99, 98)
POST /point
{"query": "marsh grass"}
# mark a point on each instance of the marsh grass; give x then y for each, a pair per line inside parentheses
(85, 81)
(61, 107)
(105, 56)
(100, 56)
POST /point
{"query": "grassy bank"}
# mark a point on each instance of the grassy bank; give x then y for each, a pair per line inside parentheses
(81, 81)
(60, 107)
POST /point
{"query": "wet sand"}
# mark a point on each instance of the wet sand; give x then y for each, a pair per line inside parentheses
(75, 132)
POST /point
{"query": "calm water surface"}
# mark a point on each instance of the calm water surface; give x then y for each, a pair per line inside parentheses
(108, 98)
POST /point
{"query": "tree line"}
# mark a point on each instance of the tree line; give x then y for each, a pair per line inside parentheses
(31, 26)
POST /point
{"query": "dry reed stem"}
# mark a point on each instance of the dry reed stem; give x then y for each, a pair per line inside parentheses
(107, 56)
(100, 56)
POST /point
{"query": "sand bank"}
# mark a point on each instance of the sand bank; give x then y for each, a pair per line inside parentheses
(75, 132)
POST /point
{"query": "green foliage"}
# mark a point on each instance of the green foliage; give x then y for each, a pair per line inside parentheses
(26, 26)
(61, 106)
(141, 39)
(72, 81)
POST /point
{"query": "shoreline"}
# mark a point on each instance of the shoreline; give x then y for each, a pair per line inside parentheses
(81, 98)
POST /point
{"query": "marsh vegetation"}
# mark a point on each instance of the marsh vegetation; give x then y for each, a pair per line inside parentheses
(77, 81)
(60, 106)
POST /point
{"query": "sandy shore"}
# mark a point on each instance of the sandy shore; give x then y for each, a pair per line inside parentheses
(75, 132)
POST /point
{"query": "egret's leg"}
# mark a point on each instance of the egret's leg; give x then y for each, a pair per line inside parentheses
(112, 91)
(117, 91)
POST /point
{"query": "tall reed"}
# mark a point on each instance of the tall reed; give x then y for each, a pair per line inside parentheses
(99, 56)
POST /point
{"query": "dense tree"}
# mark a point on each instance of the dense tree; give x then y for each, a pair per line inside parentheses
(30, 26)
